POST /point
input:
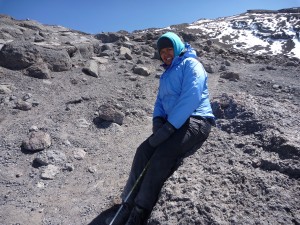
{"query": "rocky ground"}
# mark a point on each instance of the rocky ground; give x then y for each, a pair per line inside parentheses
(74, 107)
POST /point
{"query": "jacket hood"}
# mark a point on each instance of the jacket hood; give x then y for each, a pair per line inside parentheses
(178, 45)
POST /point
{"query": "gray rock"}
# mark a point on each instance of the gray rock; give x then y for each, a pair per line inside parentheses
(38, 70)
(92, 68)
(227, 63)
(23, 105)
(223, 68)
(209, 68)
(110, 113)
(140, 70)
(55, 157)
(79, 153)
(110, 37)
(271, 68)
(100, 60)
(86, 50)
(107, 53)
(49, 172)
(58, 60)
(18, 55)
(124, 50)
(6, 88)
(230, 75)
(37, 141)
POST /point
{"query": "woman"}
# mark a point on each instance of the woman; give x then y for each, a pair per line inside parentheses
(182, 120)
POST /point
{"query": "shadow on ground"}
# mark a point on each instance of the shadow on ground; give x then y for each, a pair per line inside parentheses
(100, 219)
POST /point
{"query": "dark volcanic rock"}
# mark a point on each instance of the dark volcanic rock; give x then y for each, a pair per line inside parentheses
(19, 55)
(110, 37)
(38, 70)
(58, 60)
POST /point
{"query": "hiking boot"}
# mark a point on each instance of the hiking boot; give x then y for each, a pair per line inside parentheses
(137, 216)
(122, 216)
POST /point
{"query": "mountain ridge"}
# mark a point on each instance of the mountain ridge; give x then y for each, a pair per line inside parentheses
(267, 32)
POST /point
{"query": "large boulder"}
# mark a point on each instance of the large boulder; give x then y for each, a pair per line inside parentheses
(110, 37)
(58, 60)
(18, 55)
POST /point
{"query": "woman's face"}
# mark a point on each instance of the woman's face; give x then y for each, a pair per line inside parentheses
(167, 55)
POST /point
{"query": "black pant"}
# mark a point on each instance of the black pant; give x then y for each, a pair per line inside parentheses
(163, 160)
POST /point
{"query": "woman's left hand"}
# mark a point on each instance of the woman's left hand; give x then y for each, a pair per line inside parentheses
(162, 134)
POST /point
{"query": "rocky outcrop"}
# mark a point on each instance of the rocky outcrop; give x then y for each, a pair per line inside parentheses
(19, 55)
(110, 37)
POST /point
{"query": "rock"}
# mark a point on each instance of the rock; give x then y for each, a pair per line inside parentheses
(140, 70)
(223, 68)
(37, 141)
(227, 63)
(124, 51)
(100, 60)
(82, 123)
(27, 96)
(55, 157)
(38, 70)
(18, 55)
(91, 69)
(49, 172)
(188, 37)
(209, 42)
(85, 50)
(107, 53)
(277, 86)
(291, 64)
(69, 167)
(209, 68)
(112, 128)
(230, 75)
(23, 105)
(110, 113)
(57, 60)
(110, 37)
(79, 153)
(6, 88)
(133, 78)
(271, 68)
(33, 128)
(107, 47)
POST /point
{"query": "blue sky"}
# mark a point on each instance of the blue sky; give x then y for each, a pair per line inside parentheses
(95, 16)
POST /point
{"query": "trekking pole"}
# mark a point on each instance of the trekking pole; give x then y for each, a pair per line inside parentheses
(132, 189)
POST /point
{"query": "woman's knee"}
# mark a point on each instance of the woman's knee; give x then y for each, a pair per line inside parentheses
(145, 149)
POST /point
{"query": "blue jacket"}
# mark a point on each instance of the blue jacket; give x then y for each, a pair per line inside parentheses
(183, 90)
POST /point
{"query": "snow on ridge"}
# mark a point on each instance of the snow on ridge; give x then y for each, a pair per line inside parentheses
(255, 33)
(270, 33)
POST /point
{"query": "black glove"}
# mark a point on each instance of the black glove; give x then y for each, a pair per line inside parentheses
(162, 134)
(157, 122)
